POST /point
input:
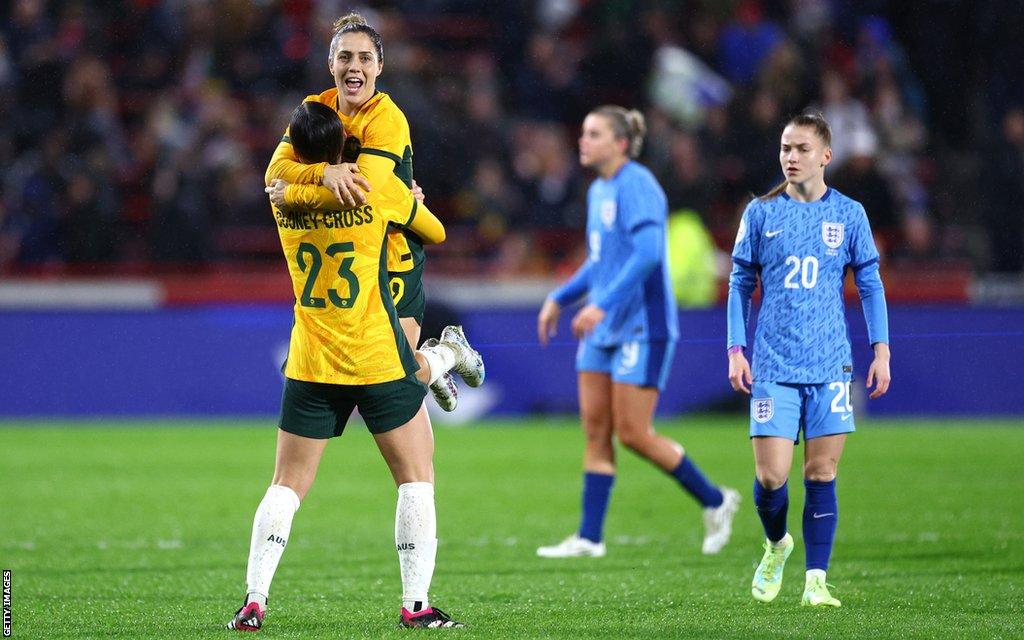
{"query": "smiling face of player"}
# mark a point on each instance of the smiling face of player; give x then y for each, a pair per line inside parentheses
(355, 67)
(803, 156)
(600, 149)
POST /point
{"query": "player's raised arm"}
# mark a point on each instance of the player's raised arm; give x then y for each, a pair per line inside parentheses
(426, 225)
(342, 179)
(286, 165)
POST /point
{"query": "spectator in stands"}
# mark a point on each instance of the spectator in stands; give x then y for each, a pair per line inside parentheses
(1005, 173)
(846, 114)
(860, 179)
(688, 182)
(746, 42)
(503, 92)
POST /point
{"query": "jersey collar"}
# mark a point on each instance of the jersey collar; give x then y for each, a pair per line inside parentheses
(823, 198)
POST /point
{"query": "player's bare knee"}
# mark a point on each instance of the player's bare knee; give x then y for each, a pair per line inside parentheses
(413, 473)
(636, 440)
(299, 486)
(772, 479)
(423, 373)
(820, 470)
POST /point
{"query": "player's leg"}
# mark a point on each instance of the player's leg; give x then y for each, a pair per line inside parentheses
(633, 419)
(594, 388)
(821, 514)
(451, 352)
(829, 418)
(410, 304)
(395, 414)
(774, 426)
(411, 329)
(309, 416)
(295, 469)
(640, 371)
(437, 358)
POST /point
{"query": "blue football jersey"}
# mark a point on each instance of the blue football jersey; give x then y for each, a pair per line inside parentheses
(616, 207)
(802, 251)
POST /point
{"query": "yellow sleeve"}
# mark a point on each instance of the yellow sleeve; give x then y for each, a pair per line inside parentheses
(285, 165)
(386, 190)
(426, 225)
(311, 197)
(391, 193)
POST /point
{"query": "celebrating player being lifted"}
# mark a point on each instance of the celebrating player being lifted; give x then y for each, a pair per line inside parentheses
(801, 237)
(347, 346)
(377, 159)
(627, 332)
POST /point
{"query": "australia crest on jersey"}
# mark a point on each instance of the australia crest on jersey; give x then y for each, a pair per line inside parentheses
(763, 409)
(608, 213)
(832, 234)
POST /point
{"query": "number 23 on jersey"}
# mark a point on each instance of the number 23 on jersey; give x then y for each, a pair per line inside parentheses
(310, 261)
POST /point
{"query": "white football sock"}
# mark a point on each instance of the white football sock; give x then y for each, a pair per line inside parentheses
(270, 529)
(815, 573)
(416, 541)
(441, 359)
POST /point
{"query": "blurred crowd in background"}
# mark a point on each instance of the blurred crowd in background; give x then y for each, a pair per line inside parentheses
(134, 134)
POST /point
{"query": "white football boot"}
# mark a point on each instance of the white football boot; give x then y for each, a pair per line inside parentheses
(573, 547)
(468, 363)
(718, 522)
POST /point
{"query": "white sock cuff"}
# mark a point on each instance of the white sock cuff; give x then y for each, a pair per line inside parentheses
(812, 573)
(415, 489)
(435, 362)
(286, 494)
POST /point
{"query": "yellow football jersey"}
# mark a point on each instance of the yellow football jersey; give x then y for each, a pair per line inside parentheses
(346, 329)
(383, 132)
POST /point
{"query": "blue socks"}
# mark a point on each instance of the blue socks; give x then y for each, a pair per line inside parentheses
(597, 489)
(821, 514)
(696, 484)
(772, 507)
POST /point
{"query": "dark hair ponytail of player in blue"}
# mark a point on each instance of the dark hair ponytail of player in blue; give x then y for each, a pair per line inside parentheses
(316, 133)
(817, 122)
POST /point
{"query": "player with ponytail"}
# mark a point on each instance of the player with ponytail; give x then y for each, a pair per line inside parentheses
(800, 239)
(627, 331)
(355, 325)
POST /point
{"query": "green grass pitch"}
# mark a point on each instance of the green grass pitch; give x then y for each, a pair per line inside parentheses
(132, 530)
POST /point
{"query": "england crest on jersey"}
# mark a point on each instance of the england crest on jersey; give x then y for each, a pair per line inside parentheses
(832, 234)
(763, 409)
(608, 213)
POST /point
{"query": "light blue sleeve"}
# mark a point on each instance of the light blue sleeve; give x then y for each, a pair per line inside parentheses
(742, 282)
(864, 262)
(743, 278)
(577, 286)
(648, 251)
(872, 298)
(745, 250)
(641, 201)
(862, 244)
